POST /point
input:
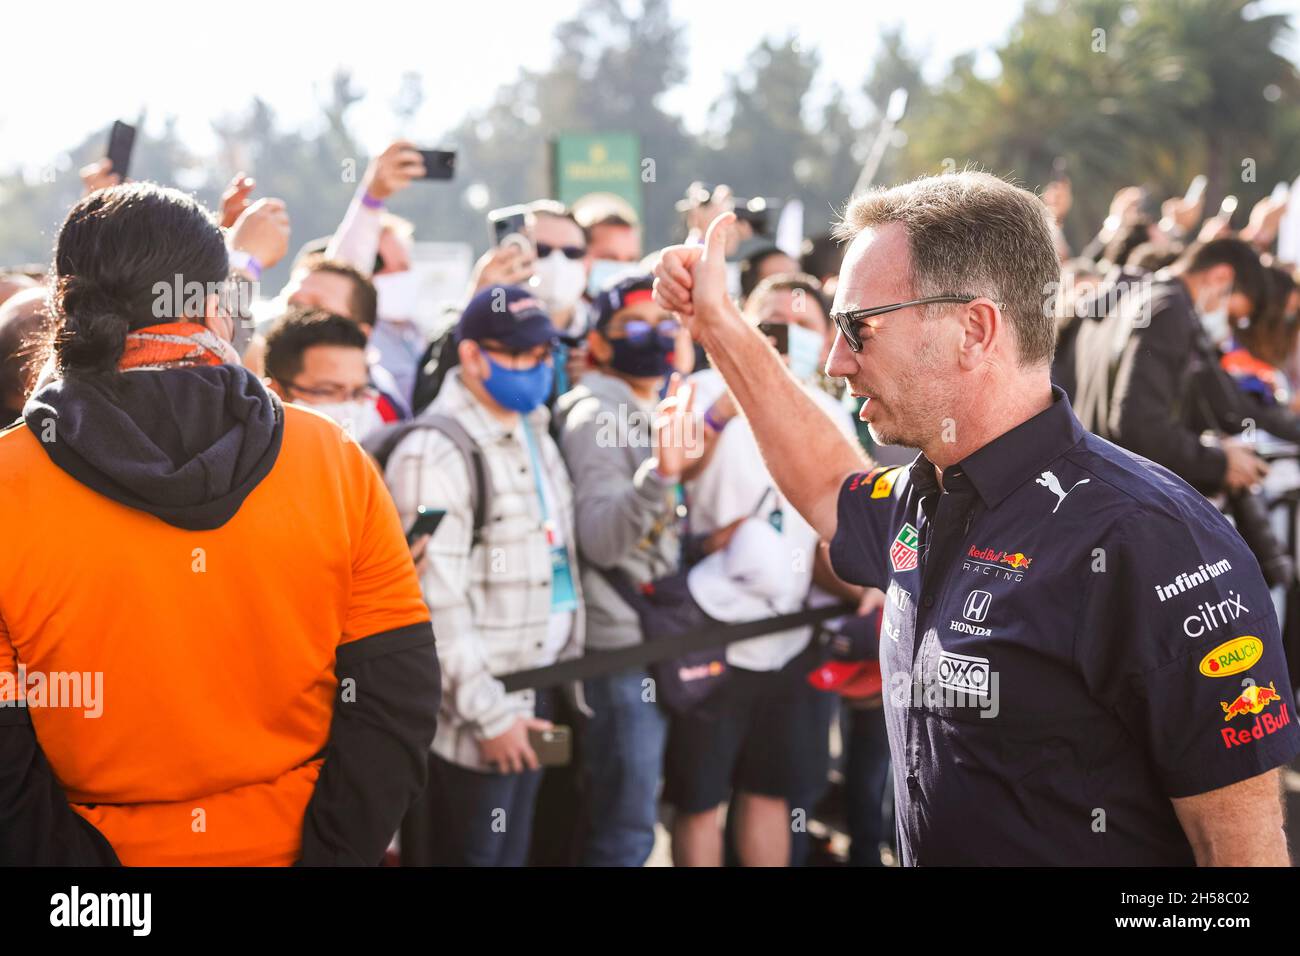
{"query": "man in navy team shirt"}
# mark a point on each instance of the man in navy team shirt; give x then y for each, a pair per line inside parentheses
(1081, 661)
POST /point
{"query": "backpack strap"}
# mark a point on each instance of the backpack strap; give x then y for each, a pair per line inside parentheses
(382, 442)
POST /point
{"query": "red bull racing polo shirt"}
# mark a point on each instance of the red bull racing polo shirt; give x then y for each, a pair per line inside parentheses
(1071, 637)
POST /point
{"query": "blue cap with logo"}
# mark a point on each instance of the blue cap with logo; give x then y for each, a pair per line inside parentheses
(508, 314)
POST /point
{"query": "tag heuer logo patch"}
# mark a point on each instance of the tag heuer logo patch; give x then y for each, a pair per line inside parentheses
(902, 553)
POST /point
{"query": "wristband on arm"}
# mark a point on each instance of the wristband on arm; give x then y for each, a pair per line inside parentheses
(246, 263)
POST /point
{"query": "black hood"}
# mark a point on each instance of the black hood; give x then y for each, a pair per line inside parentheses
(187, 445)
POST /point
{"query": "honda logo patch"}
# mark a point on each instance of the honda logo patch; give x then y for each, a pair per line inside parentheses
(977, 606)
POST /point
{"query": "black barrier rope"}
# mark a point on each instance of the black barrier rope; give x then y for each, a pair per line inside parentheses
(697, 639)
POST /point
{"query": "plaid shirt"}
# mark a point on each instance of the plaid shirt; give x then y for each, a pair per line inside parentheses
(490, 603)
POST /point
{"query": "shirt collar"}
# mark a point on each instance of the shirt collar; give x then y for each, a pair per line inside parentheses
(1011, 459)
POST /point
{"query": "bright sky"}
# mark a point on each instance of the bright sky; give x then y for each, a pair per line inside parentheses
(72, 69)
(69, 70)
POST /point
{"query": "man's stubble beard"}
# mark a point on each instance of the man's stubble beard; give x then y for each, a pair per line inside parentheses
(926, 404)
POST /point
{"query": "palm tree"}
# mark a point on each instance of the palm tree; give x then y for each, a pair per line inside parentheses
(1063, 89)
(1224, 53)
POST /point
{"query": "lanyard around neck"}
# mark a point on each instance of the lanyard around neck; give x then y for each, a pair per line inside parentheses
(537, 479)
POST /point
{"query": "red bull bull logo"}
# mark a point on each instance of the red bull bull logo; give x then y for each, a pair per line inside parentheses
(871, 479)
(1251, 702)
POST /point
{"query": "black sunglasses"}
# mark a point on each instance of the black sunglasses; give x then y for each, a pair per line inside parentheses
(544, 249)
(848, 322)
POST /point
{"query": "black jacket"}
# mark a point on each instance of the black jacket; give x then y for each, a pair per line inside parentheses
(1132, 365)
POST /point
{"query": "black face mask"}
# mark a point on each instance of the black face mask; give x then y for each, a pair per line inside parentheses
(649, 358)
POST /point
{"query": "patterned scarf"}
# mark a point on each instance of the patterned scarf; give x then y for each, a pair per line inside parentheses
(175, 345)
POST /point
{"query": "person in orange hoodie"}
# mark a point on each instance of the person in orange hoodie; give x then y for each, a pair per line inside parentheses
(213, 647)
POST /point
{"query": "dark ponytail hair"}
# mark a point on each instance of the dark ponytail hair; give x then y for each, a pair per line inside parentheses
(113, 250)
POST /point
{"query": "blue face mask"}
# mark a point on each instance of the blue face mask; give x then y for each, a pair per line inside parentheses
(519, 390)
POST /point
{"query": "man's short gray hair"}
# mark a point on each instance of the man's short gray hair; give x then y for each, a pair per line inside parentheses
(974, 234)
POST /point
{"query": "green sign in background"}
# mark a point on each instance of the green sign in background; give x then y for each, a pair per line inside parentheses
(584, 163)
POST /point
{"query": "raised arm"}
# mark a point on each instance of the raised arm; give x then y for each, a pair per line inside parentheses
(806, 454)
(356, 241)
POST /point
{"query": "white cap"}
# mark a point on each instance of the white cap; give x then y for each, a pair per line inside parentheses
(750, 579)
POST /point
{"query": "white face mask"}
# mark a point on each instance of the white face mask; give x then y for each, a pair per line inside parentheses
(804, 349)
(1216, 322)
(397, 294)
(604, 272)
(558, 281)
(357, 418)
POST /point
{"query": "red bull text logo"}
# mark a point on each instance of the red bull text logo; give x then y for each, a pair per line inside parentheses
(1016, 559)
(995, 563)
(1252, 701)
(687, 672)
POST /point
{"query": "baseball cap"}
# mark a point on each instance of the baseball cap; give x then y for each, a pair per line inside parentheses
(750, 578)
(508, 314)
(854, 679)
(628, 290)
(853, 669)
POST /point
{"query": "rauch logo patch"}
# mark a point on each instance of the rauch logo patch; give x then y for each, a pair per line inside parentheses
(1232, 657)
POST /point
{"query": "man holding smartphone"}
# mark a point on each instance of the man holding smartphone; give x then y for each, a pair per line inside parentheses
(378, 245)
(503, 592)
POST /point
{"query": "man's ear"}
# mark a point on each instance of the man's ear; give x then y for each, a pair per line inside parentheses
(219, 323)
(274, 386)
(471, 358)
(599, 348)
(982, 321)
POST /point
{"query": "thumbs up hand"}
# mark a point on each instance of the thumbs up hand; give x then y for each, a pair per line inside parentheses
(692, 280)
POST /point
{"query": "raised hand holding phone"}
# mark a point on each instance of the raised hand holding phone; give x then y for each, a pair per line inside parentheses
(98, 175)
(393, 170)
(508, 264)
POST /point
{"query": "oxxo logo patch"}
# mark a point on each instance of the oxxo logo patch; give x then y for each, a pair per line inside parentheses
(959, 672)
(1232, 657)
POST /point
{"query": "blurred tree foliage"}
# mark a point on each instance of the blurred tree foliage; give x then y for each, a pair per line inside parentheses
(1148, 92)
